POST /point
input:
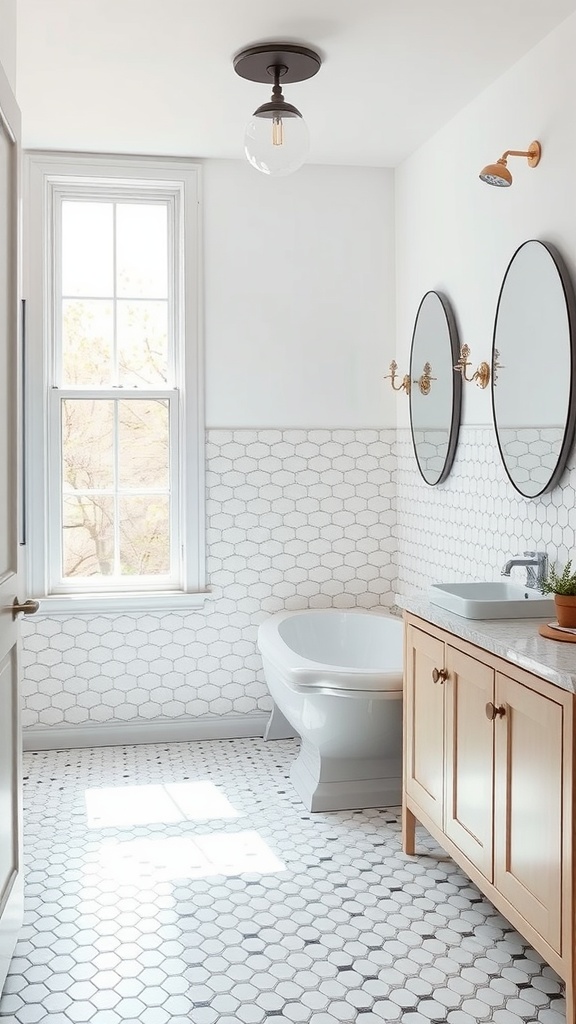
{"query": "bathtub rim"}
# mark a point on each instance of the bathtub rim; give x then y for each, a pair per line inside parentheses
(298, 684)
(304, 671)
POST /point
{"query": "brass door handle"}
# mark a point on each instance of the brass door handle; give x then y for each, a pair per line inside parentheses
(439, 675)
(493, 712)
(29, 607)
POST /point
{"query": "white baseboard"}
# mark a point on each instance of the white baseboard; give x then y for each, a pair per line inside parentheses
(165, 731)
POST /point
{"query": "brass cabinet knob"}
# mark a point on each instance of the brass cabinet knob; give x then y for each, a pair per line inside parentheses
(493, 712)
(439, 675)
(29, 607)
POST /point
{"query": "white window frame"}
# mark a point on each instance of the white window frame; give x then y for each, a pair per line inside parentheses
(49, 178)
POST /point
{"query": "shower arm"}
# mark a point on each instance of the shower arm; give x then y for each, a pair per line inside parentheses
(515, 152)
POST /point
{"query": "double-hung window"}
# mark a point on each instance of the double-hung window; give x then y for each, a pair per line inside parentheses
(115, 488)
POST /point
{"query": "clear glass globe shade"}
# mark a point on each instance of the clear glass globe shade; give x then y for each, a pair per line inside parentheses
(277, 158)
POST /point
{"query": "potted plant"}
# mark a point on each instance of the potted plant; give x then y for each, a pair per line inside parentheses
(563, 586)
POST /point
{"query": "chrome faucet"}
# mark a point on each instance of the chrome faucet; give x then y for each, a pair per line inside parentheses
(536, 563)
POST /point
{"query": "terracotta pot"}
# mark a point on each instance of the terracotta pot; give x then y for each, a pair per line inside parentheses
(565, 610)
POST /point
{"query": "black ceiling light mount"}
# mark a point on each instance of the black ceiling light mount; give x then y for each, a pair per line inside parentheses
(276, 140)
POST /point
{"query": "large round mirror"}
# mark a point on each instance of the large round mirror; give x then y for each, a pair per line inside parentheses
(533, 369)
(435, 390)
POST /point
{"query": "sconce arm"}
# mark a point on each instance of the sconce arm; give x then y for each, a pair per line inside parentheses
(481, 374)
(404, 385)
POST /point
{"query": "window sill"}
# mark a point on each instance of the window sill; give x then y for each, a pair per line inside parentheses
(83, 604)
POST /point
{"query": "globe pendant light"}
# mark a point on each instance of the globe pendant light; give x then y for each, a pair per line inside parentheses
(276, 141)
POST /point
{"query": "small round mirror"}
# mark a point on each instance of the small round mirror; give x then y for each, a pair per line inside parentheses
(533, 369)
(436, 390)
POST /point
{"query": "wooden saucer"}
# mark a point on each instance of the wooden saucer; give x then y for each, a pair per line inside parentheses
(556, 634)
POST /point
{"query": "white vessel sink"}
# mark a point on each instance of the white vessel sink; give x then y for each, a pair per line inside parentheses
(492, 600)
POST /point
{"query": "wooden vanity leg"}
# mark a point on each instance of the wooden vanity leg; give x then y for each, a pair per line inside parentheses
(408, 832)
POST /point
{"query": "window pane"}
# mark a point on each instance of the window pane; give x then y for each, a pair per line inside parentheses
(87, 249)
(143, 444)
(88, 535)
(142, 342)
(142, 250)
(115, 446)
(145, 535)
(87, 444)
(87, 339)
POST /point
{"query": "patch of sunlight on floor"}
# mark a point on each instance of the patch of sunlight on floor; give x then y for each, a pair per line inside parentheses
(142, 861)
(120, 806)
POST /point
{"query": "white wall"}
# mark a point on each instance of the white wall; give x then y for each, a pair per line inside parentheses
(299, 296)
(456, 234)
(8, 40)
(299, 276)
(299, 320)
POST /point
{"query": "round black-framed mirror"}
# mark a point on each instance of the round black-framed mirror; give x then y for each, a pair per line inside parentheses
(533, 368)
(435, 389)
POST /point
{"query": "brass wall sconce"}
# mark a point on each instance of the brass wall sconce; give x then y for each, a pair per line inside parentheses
(424, 381)
(404, 385)
(498, 173)
(481, 374)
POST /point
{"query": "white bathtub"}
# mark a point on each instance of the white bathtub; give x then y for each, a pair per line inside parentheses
(336, 676)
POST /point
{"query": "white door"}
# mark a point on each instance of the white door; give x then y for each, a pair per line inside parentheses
(10, 529)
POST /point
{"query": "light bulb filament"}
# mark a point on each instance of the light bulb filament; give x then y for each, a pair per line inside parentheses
(277, 131)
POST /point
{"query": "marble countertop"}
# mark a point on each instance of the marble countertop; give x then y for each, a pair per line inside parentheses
(516, 640)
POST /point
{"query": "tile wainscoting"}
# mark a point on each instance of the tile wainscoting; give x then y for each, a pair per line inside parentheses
(295, 519)
(466, 528)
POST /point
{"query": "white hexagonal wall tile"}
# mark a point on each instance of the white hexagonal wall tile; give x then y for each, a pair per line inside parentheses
(322, 509)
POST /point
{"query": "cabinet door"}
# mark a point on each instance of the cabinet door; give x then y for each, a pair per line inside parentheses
(424, 722)
(528, 805)
(469, 741)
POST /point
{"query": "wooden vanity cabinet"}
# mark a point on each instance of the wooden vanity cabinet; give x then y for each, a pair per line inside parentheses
(489, 771)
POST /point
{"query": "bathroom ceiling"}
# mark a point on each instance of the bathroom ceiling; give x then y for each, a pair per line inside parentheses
(156, 76)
